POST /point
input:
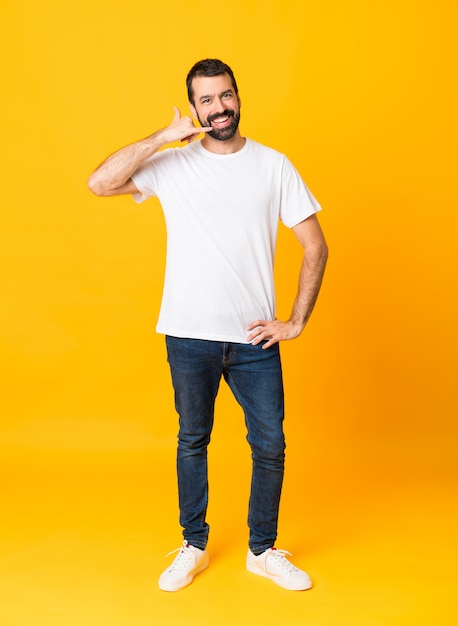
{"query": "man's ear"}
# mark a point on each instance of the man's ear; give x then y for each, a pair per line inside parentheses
(193, 110)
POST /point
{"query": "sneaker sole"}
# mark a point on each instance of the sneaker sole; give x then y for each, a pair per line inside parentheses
(253, 569)
(187, 581)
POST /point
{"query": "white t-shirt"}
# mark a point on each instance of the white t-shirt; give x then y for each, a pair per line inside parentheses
(222, 215)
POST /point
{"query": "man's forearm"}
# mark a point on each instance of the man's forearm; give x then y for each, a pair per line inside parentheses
(310, 279)
(116, 170)
(112, 176)
(311, 274)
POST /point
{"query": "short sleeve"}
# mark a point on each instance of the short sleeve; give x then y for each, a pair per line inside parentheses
(297, 201)
(146, 177)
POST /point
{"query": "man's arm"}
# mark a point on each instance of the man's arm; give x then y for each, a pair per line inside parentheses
(311, 238)
(113, 176)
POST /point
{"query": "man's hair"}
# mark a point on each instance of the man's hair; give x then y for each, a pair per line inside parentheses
(208, 67)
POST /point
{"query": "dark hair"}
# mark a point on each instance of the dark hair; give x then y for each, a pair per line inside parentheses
(208, 67)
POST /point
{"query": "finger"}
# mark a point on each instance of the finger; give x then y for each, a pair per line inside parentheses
(269, 343)
(194, 132)
(256, 324)
(259, 335)
(257, 328)
(177, 114)
(201, 129)
(267, 337)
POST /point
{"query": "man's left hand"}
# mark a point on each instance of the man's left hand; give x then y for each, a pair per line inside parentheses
(272, 332)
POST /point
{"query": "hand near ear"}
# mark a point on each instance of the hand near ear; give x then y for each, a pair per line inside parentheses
(183, 129)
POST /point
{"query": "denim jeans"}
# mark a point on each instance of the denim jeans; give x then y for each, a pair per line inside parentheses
(255, 378)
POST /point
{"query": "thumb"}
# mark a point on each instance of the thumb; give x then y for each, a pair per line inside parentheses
(177, 114)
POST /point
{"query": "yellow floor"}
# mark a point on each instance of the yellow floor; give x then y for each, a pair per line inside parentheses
(84, 534)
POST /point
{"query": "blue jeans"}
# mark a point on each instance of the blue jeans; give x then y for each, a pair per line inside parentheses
(254, 375)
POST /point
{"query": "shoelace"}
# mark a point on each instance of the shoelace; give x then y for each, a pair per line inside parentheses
(279, 557)
(183, 558)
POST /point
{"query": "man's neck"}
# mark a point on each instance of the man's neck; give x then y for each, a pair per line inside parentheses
(224, 147)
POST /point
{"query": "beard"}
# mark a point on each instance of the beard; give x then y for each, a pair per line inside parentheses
(222, 134)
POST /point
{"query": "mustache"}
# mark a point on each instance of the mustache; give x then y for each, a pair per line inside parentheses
(228, 112)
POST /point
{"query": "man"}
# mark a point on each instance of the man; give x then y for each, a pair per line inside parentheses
(222, 198)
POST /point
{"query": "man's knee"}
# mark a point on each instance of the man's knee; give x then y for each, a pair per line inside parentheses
(269, 450)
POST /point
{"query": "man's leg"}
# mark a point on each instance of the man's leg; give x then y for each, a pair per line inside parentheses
(196, 370)
(255, 377)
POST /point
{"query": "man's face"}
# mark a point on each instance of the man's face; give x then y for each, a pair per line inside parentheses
(216, 105)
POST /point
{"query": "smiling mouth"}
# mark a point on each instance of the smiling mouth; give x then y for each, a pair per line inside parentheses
(220, 120)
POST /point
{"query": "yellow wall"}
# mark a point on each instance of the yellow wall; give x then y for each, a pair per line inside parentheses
(362, 96)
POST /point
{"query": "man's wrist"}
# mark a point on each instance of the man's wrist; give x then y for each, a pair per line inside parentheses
(296, 325)
(154, 142)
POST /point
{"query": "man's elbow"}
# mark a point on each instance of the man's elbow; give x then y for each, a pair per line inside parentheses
(324, 251)
(96, 186)
(317, 252)
(324, 254)
(318, 247)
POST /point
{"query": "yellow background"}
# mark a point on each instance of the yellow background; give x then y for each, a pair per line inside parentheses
(362, 96)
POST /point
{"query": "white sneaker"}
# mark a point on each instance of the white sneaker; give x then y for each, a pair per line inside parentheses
(273, 564)
(188, 562)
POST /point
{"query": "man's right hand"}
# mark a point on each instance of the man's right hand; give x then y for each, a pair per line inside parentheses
(182, 128)
(112, 177)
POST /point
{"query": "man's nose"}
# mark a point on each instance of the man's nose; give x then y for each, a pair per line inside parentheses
(219, 105)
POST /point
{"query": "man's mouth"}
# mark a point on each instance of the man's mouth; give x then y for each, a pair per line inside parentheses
(221, 121)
